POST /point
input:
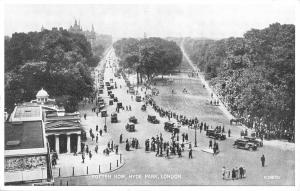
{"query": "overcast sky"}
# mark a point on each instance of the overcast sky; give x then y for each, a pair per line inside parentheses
(132, 20)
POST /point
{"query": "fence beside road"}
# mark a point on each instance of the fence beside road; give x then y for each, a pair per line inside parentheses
(59, 172)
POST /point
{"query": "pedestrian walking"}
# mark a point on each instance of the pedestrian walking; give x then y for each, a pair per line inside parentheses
(100, 132)
(87, 149)
(84, 116)
(96, 127)
(210, 144)
(117, 149)
(263, 159)
(97, 138)
(90, 155)
(121, 138)
(233, 176)
(96, 149)
(223, 172)
(83, 157)
(229, 132)
(190, 153)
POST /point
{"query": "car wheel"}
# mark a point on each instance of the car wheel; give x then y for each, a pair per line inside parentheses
(250, 149)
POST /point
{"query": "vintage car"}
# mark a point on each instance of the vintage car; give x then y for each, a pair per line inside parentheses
(111, 80)
(254, 140)
(114, 117)
(244, 144)
(212, 133)
(100, 91)
(111, 102)
(144, 107)
(109, 87)
(109, 92)
(131, 90)
(171, 127)
(138, 98)
(115, 99)
(107, 83)
(112, 96)
(152, 119)
(130, 127)
(133, 119)
(119, 105)
(103, 113)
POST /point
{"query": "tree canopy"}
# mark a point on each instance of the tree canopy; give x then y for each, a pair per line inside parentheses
(254, 75)
(56, 60)
(149, 57)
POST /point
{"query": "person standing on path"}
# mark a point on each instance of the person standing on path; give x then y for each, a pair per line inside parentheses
(121, 138)
(229, 132)
(263, 159)
(210, 144)
(90, 155)
(96, 149)
(83, 157)
(190, 153)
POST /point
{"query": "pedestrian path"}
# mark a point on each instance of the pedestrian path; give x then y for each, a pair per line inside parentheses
(70, 165)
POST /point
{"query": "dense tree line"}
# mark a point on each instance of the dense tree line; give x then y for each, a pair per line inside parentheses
(54, 59)
(254, 75)
(148, 57)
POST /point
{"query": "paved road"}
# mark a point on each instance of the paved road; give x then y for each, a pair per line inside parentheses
(143, 168)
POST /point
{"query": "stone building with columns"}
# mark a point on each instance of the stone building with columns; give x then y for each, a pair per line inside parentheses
(63, 130)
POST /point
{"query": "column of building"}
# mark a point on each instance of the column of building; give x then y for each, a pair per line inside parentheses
(57, 143)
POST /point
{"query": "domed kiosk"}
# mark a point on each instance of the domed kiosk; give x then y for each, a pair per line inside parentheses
(42, 96)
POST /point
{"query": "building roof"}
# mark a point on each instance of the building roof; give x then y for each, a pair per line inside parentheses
(27, 113)
(24, 135)
(58, 124)
(74, 118)
(42, 93)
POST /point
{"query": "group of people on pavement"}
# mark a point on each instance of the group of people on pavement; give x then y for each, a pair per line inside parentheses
(167, 148)
(133, 143)
(234, 174)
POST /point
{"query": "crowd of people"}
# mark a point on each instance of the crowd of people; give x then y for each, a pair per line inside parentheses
(164, 147)
(234, 174)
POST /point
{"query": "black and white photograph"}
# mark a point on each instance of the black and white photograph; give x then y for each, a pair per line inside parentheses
(128, 94)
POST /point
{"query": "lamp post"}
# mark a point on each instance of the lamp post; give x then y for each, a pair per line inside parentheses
(195, 136)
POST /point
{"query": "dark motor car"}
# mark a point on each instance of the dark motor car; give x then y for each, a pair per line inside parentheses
(152, 119)
(214, 134)
(103, 113)
(244, 144)
(170, 127)
(114, 117)
(119, 105)
(138, 98)
(133, 119)
(111, 102)
(254, 140)
(115, 99)
(143, 108)
(130, 127)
